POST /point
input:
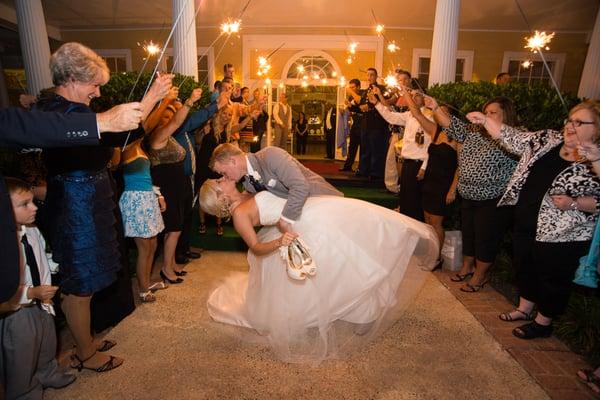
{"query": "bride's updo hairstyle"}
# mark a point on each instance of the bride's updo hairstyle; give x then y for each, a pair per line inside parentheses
(224, 152)
(210, 201)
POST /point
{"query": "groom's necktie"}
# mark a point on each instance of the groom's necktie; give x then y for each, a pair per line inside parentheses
(259, 187)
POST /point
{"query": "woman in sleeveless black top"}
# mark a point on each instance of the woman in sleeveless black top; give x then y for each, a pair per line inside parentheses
(439, 184)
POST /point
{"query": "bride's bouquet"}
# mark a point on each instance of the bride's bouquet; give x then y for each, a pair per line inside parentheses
(299, 262)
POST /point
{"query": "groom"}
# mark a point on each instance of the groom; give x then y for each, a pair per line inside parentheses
(276, 171)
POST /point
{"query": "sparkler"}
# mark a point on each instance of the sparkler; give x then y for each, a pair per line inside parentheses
(159, 59)
(151, 48)
(230, 27)
(379, 28)
(391, 81)
(535, 43)
(392, 47)
(352, 47)
(526, 64)
(538, 41)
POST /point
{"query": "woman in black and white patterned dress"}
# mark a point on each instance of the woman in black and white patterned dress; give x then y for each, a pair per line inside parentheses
(556, 196)
(484, 168)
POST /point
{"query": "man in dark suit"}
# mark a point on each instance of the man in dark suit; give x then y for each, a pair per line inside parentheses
(330, 127)
(358, 122)
(374, 142)
(22, 128)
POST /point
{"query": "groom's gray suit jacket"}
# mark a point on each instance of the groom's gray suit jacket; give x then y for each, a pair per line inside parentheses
(285, 177)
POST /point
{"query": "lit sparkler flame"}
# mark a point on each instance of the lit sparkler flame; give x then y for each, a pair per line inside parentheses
(300, 68)
(392, 47)
(379, 28)
(349, 60)
(151, 48)
(352, 47)
(304, 84)
(526, 64)
(540, 40)
(391, 81)
(333, 74)
(230, 27)
(342, 81)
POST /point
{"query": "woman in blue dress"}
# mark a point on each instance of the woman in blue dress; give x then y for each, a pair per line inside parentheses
(82, 223)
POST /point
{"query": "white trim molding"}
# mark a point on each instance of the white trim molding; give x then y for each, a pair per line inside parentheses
(557, 58)
(307, 53)
(116, 53)
(309, 43)
(467, 55)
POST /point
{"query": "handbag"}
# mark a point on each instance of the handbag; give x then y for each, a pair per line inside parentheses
(587, 272)
(452, 250)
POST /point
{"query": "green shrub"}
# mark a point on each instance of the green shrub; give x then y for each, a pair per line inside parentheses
(538, 106)
(118, 90)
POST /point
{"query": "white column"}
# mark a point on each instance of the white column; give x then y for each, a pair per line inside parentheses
(185, 51)
(34, 44)
(442, 68)
(589, 86)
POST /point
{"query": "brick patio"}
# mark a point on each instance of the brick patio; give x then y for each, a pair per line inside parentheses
(548, 361)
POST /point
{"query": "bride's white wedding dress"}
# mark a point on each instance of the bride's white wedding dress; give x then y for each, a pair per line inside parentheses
(369, 262)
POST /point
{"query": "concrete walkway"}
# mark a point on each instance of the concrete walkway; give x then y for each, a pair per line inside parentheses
(437, 350)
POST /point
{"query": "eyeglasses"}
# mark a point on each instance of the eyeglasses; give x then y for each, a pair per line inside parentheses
(577, 122)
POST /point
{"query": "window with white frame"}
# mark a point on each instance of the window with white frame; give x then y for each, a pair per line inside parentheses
(422, 59)
(527, 67)
(118, 60)
(205, 65)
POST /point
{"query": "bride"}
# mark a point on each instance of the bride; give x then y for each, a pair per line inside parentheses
(369, 264)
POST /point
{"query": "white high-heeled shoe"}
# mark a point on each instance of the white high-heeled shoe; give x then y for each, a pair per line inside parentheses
(295, 268)
(308, 264)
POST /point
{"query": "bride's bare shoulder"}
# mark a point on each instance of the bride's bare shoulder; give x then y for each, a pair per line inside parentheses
(246, 210)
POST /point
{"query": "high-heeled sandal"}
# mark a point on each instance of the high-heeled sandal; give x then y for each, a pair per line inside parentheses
(202, 229)
(147, 297)
(308, 264)
(107, 366)
(473, 288)
(180, 273)
(171, 281)
(461, 278)
(220, 230)
(106, 345)
(158, 286)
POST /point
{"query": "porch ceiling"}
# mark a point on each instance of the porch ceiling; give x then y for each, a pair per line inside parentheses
(549, 15)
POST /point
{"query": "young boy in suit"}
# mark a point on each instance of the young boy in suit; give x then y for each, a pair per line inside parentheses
(28, 337)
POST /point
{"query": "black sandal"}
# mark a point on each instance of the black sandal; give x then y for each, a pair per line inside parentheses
(461, 278)
(473, 288)
(506, 317)
(106, 346)
(533, 330)
(107, 366)
(590, 379)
